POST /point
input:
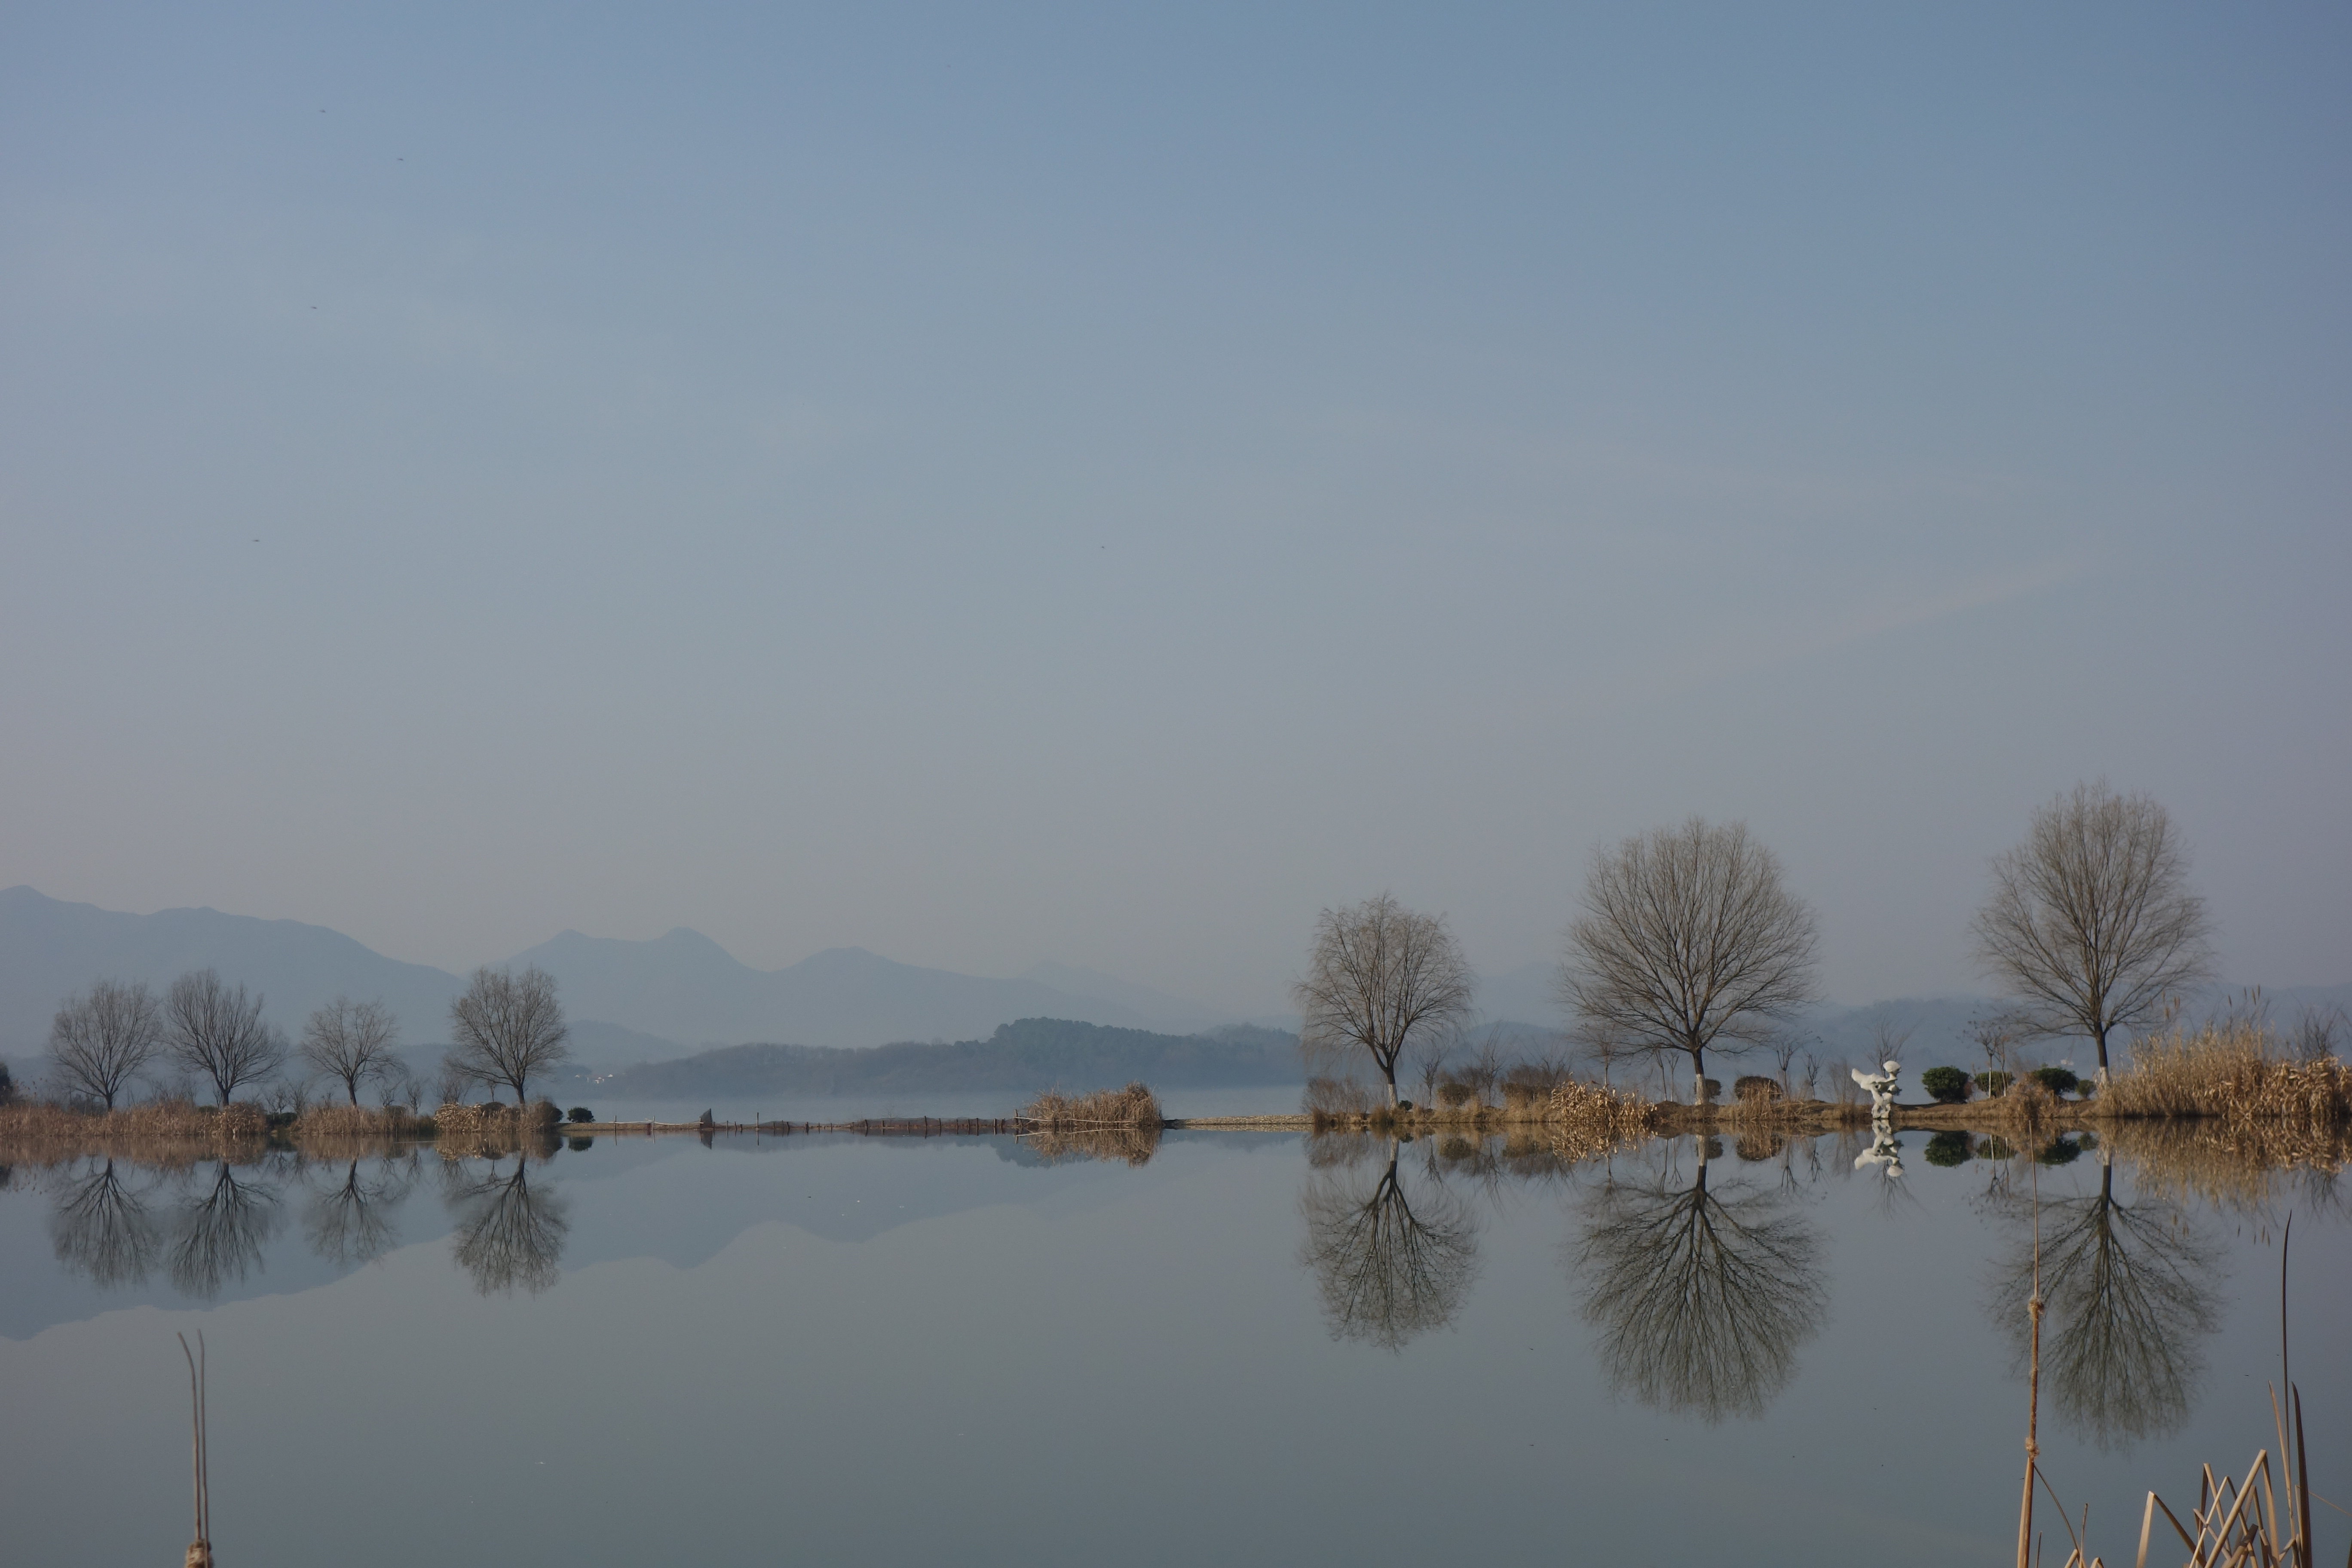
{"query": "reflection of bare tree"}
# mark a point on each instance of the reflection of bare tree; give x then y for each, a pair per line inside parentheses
(2128, 1290)
(508, 1235)
(219, 1231)
(1388, 1268)
(101, 1228)
(354, 1220)
(1705, 1293)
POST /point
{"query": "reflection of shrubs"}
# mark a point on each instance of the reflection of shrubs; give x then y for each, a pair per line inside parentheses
(1995, 1149)
(582, 1114)
(1755, 1148)
(2059, 1152)
(2057, 1080)
(1995, 1082)
(1946, 1086)
(580, 1145)
(1950, 1148)
(1456, 1147)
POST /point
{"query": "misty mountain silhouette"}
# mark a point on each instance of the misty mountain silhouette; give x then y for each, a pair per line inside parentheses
(632, 1000)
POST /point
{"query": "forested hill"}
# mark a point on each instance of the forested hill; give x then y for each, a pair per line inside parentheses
(1028, 1054)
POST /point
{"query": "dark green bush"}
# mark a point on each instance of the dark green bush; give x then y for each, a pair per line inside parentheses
(1950, 1148)
(581, 1145)
(2057, 1080)
(1995, 1149)
(1946, 1086)
(1994, 1082)
(582, 1114)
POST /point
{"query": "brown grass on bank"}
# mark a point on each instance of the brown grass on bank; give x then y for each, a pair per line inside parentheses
(1109, 1124)
(2236, 1070)
(363, 1121)
(158, 1124)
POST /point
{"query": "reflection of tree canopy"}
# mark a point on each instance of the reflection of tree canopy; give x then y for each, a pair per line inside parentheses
(2127, 1290)
(219, 1232)
(1388, 1268)
(352, 1220)
(101, 1228)
(508, 1235)
(1704, 1293)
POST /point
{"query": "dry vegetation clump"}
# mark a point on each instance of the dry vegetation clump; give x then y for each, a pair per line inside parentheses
(1109, 1124)
(363, 1121)
(2235, 1071)
(2241, 1167)
(158, 1128)
(1584, 1119)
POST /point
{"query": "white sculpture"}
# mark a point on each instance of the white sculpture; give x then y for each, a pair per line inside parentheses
(1881, 1085)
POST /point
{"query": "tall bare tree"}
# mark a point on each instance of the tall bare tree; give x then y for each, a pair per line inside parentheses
(103, 1039)
(217, 1031)
(1688, 941)
(351, 1042)
(2091, 921)
(508, 1027)
(1381, 978)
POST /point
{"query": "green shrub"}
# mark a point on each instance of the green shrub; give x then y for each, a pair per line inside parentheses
(582, 1114)
(2057, 1080)
(1995, 1082)
(1946, 1086)
(1950, 1148)
(2060, 1151)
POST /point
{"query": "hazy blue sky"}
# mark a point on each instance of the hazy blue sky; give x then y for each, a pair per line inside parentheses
(989, 483)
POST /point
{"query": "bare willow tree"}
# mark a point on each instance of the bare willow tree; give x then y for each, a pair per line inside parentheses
(508, 1027)
(1689, 942)
(1381, 978)
(104, 1038)
(217, 1031)
(351, 1042)
(2091, 921)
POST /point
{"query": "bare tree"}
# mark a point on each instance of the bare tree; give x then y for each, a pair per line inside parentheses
(1688, 940)
(1381, 978)
(351, 1042)
(2091, 921)
(216, 1032)
(103, 1039)
(509, 1026)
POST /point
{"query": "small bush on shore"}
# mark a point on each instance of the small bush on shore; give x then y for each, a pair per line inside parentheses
(1755, 1088)
(2057, 1080)
(582, 1114)
(1994, 1083)
(1947, 1086)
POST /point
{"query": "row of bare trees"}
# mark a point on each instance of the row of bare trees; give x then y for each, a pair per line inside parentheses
(508, 1029)
(1690, 941)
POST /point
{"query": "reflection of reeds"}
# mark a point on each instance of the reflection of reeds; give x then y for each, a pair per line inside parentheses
(2244, 1167)
(1109, 1124)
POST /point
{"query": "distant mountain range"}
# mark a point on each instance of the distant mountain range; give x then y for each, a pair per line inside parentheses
(629, 1001)
(1024, 1056)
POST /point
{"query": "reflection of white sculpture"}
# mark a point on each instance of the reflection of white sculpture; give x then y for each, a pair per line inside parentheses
(1885, 1150)
(1881, 1085)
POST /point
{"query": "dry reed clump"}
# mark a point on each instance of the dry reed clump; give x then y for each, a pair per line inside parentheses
(1109, 1124)
(1584, 1119)
(2245, 1167)
(2234, 1070)
(134, 1127)
(363, 1121)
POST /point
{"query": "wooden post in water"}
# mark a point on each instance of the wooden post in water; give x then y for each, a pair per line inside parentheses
(200, 1550)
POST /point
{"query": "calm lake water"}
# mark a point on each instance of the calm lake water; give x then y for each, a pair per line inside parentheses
(1249, 1349)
